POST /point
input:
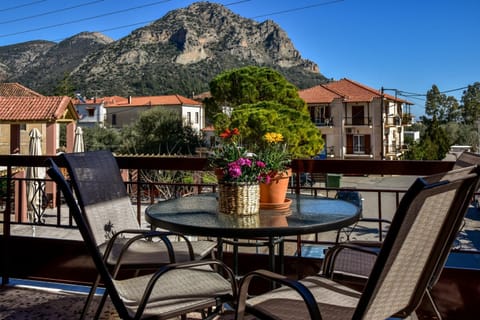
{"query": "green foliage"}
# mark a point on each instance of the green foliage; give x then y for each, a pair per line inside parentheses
(433, 145)
(471, 103)
(65, 87)
(160, 132)
(264, 101)
(252, 84)
(444, 108)
(101, 138)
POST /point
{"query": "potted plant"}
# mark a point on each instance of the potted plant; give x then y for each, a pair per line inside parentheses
(273, 151)
(239, 173)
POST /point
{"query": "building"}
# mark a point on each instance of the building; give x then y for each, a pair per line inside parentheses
(356, 121)
(121, 112)
(91, 112)
(22, 109)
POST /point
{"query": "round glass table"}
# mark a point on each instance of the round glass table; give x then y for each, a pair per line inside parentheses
(198, 215)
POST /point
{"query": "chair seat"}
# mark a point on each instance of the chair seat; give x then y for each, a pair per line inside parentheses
(177, 290)
(153, 253)
(334, 300)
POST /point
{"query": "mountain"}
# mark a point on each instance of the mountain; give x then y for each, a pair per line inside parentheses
(179, 53)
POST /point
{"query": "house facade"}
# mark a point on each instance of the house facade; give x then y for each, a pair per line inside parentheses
(22, 109)
(121, 112)
(356, 121)
(91, 112)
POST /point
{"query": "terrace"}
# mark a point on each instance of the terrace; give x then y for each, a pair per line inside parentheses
(54, 252)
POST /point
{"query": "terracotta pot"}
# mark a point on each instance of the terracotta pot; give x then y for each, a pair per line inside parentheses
(276, 190)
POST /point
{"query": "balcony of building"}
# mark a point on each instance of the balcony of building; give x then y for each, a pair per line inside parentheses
(357, 121)
(52, 250)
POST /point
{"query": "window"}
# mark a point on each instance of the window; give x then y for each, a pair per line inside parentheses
(320, 115)
(196, 117)
(114, 119)
(358, 115)
(358, 144)
(90, 111)
(189, 118)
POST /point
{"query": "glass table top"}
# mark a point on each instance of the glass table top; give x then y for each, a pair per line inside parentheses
(198, 215)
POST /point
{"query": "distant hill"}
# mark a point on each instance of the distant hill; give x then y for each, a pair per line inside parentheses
(179, 53)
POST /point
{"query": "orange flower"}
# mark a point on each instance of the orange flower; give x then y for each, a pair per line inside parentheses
(229, 133)
(225, 134)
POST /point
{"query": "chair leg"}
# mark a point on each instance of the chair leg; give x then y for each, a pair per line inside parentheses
(433, 305)
(100, 305)
(93, 289)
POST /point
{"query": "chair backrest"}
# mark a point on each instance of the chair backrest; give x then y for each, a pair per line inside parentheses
(467, 159)
(101, 193)
(414, 249)
(88, 237)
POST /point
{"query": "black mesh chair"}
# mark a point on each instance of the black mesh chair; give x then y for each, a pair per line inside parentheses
(104, 216)
(408, 264)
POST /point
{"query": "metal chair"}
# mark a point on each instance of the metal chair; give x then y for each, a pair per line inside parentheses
(105, 217)
(408, 264)
(354, 258)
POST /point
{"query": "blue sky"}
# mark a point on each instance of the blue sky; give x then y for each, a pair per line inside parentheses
(407, 45)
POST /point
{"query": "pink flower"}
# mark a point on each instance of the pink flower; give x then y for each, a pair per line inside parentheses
(234, 170)
(260, 164)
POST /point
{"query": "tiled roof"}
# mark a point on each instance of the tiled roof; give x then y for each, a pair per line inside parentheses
(106, 100)
(168, 100)
(24, 109)
(318, 94)
(15, 89)
(353, 91)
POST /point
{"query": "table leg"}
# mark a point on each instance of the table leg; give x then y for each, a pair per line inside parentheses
(220, 249)
(281, 255)
(271, 253)
(235, 256)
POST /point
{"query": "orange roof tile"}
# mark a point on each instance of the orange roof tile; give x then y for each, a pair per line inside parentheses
(33, 109)
(168, 100)
(15, 89)
(357, 92)
(318, 94)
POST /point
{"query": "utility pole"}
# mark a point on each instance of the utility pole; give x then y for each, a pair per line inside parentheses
(382, 148)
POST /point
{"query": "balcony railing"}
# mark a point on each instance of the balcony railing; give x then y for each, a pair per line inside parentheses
(358, 121)
(35, 257)
(323, 122)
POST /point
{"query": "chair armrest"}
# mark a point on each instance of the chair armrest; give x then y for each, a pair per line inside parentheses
(185, 265)
(303, 291)
(141, 235)
(355, 258)
(149, 234)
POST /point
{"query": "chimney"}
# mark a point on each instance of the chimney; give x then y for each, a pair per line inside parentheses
(129, 99)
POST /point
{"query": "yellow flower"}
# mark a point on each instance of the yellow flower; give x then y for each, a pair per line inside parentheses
(273, 137)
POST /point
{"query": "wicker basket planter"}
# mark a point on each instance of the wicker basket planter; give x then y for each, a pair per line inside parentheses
(239, 198)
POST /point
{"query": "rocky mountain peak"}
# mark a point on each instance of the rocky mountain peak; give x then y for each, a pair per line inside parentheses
(179, 53)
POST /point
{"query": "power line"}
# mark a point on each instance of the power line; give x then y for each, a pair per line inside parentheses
(51, 12)
(413, 94)
(297, 9)
(148, 21)
(84, 19)
(22, 5)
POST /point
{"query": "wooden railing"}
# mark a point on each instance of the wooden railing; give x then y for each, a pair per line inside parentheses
(11, 163)
(67, 260)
